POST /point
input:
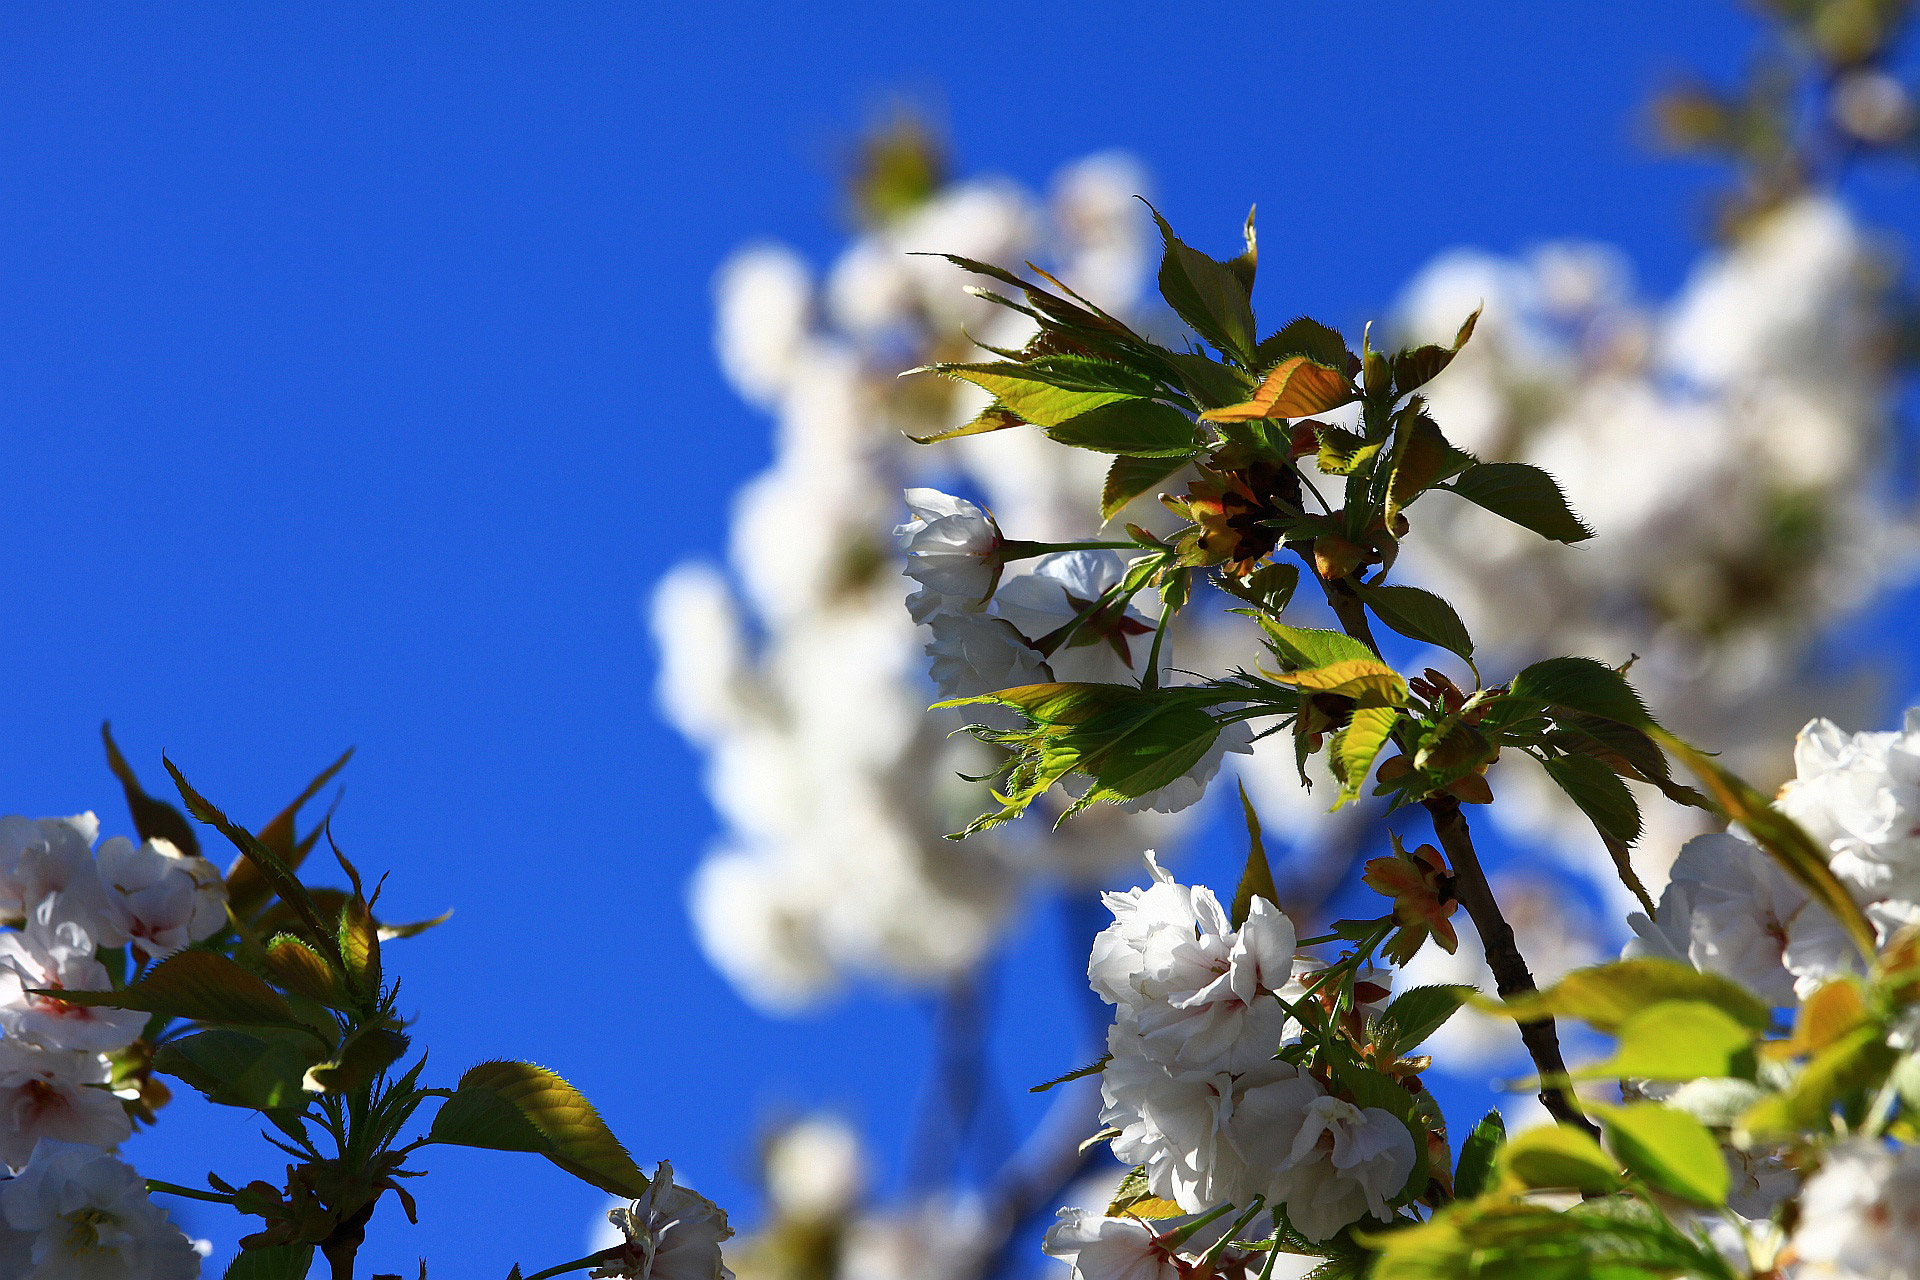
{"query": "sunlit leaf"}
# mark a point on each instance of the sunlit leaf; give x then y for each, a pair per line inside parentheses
(516, 1106)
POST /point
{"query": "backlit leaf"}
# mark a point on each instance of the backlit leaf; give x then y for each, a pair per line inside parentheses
(1523, 494)
(516, 1106)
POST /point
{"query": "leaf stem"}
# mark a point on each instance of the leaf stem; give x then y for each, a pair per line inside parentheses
(1015, 549)
(168, 1188)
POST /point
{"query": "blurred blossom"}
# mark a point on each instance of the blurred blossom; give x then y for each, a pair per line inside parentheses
(1726, 447)
(797, 669)
(815, 1169)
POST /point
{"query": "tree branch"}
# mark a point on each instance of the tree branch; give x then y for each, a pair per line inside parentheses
(1510, 973)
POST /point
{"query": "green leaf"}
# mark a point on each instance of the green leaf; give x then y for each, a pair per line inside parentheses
(1599, 793)
(1584, 685)
(152, 819)
(1307, 648)
(1678, 1040)
(359, 937)
(1414, 368)
(1605, 996)
(277, 874)
(995, 417)
(274, 1262)
(1029, 395)
(1344, 452)
(1419, 615)
(360, 1062)
(1857, 1061)
(1416, 1014)
(1303, 336)
(1477, 1155)
(1557, 1156)
(261, 1069)
(1133, 428)
(1798, 854)
(247, 889)
(1129, 477)
(1360, 745)
(1207, 294)
(1422, 457)
(1129, 740)
(1523, 494)
(197, 985)
(1670, 1149)
(1608, 1238)
(298, 967)
(1256, 880)
(1211, 383)
(516, 1106)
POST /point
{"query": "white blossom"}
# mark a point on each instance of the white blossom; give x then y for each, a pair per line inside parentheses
(671, 1233)
(1096, 1247)
(815, 1169)
(77, 1213)
(58, 1094)
(47, 868)
(49, 957)
(953, 552)
(1859, 795)
(1344, 1162)
(160, 898)
(1729, 909)
(1860, 1214)
(972, 653)
(762, 296)
(1056, 589)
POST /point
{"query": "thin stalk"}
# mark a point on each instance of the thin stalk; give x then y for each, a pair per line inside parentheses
(1015, 549)
(168, 1188)
(1151, 680)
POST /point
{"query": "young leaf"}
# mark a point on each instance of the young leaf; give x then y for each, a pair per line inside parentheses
(197, 985)
(1422, 457)
(1207, 294)
(1796, 851)
(1523, 494)
(1256, 881)
(1670, 1149)
(1132, 428)
(1360, 745)
(1307, 337)
(516, 1106)
(1605, 996)
(995, 417)
(1343, 452)
(247, 890)
(152, 819)
(1129, 477)
(1416, 1014)
(1558, 1157)
(301, 969)
(1414, 368)
(276, 873)
(359, 1062)
(1294, 388)
(1419, 615)
(1369, 681)
(1477, 1155)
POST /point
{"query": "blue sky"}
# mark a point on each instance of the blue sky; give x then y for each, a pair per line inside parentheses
(355, 385)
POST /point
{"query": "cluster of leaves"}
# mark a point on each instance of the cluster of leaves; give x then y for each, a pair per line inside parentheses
(290, 1011)
(1243, 412)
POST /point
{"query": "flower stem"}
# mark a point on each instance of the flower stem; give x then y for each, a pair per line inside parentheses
(1014, 549)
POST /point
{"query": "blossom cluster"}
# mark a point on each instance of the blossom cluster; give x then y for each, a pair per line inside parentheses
(796, 672)
(72, 1208)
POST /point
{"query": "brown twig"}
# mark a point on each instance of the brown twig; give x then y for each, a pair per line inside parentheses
(1511, 975)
